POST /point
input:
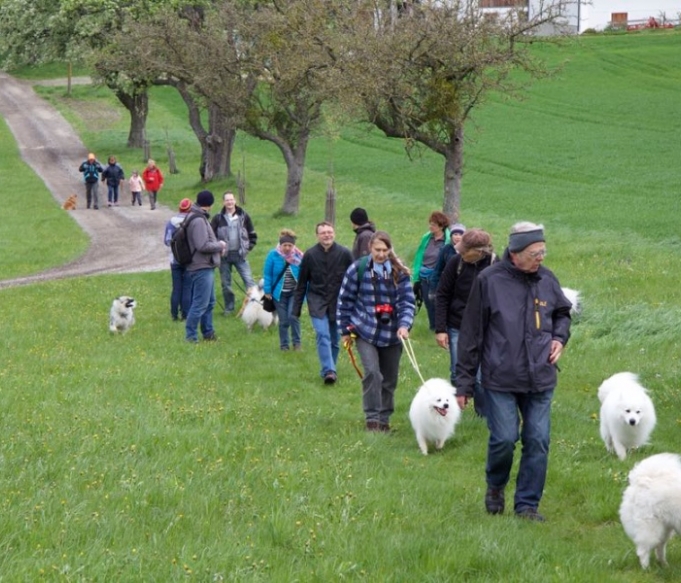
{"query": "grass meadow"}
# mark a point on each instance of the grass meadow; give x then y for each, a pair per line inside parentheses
(142, 458)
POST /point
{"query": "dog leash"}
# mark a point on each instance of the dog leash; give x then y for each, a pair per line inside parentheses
(347, 343)
(412, 358)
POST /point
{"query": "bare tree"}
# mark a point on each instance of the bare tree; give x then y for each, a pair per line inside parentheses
(420, 76)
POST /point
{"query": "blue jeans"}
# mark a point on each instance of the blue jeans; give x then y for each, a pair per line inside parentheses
(328, 343)
(243, 268)
(203, 301)
(112, 193)
(381, 371)
(478, 393)
(503, 421)
(181, 296)
(286, 320)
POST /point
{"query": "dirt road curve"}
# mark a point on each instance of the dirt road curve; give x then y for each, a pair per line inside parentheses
(123, 239)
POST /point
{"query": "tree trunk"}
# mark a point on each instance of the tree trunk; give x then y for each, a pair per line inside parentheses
(295, 164)
(137, 104)
(452, 179)
(217, 146)
(217, 142)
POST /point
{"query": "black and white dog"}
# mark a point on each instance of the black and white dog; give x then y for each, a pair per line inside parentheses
(121, 316)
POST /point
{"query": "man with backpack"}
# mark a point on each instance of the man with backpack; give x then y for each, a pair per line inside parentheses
(206, 252)
(91, 170)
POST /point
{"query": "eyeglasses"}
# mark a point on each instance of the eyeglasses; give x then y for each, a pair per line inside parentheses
(537, 254)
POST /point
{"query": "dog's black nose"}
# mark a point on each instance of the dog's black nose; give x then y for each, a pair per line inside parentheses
(446, 405)
(632, 421)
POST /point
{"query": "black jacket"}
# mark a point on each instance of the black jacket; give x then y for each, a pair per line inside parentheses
(452, 292)
(363, 234)
(321, 276)
(507, 328)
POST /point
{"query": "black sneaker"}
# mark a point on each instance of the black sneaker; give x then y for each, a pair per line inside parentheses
(494, 500)
(330, 378)
(530, 514)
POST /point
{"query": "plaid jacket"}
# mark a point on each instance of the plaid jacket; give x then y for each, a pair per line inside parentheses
(358, 300)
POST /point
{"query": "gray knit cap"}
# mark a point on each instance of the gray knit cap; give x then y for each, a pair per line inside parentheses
(519, 241)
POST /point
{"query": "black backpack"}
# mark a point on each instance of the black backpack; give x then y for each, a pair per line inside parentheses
(179, 242)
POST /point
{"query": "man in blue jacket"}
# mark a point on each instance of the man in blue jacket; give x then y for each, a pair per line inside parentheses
(515, 326)
(91, 169)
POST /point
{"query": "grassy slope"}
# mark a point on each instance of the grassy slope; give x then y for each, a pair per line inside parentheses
(138, 458)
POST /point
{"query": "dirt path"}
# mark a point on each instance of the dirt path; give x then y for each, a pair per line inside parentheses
(123, 239)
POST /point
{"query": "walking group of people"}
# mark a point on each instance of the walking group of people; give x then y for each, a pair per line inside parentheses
(113, 175)
(504, 320)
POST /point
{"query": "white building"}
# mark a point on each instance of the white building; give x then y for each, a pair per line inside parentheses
(596, 14)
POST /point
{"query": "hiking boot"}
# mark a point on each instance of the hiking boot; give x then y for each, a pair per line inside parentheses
(297, 347)
(384, 427)
(211, 338)
(373, 426)
(330, 378)
(530, 514)
(494, 500)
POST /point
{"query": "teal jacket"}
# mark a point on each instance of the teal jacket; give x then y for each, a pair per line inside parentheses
(418, 260)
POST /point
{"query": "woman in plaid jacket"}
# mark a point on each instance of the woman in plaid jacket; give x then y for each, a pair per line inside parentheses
(376, 308)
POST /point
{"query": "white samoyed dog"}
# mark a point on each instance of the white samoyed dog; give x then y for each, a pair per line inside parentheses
(651, 505)
(253, 313)
(434, 413)
(627, 413)
(121, 316)
(575, 298)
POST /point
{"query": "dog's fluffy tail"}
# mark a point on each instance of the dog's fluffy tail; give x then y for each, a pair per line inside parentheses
(617, 379)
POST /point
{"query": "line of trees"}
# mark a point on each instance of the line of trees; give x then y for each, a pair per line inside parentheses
(277, 69)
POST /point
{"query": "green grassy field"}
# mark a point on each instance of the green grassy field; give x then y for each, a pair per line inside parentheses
(141, 458)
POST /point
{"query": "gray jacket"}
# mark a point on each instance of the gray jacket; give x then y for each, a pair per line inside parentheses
(203, 241)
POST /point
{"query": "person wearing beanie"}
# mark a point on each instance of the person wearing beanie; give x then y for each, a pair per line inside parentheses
(514, 329)
(181, 292)
(281, 274)
(426, 259)
(207, 251)
(234, 226)
(91, 169)
(364, 230)
(447, 251)
(474, 253)
(153, 182)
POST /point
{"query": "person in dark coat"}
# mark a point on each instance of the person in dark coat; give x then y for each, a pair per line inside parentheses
(321, 274)
(364, 230)
(514, 328)
(474, 253)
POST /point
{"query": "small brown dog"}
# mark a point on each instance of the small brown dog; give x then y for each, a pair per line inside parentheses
(70, 203)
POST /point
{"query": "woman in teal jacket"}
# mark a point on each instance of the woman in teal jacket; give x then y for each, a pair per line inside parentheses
(426, 259)
(282, 268)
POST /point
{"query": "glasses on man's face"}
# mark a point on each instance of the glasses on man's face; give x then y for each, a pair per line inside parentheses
(537, 254)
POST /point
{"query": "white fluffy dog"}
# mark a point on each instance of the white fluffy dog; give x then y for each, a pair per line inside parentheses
(651, 505)
(121, 316)
(253, 313)
(434, 413)
(627, 413)
(575, 298)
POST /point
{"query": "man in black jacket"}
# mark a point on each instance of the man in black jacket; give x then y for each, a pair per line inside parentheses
(514, 327)
(321, 275)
